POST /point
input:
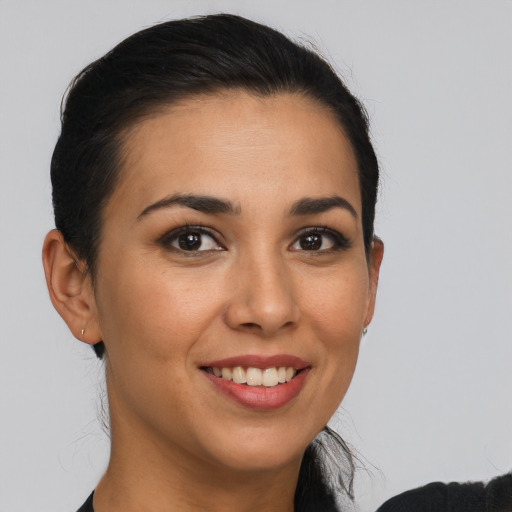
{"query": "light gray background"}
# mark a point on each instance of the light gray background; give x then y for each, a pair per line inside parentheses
(431, 399)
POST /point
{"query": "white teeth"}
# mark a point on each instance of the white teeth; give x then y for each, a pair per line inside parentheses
(254, 377)
(239, 375)
(269, 377)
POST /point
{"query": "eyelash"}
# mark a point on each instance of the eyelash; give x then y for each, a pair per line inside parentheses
(339, 241)
(168, 238)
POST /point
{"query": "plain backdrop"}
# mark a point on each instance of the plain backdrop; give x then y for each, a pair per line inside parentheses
(431, 398)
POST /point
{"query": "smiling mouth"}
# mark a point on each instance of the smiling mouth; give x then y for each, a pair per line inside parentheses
(251, 376)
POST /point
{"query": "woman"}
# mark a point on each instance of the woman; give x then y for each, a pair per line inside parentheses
(214, 191)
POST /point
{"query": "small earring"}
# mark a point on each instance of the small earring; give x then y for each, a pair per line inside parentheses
(365, 330)
(83, 332)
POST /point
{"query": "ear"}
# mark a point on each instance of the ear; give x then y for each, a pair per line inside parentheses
(70, 288)
(374, 262)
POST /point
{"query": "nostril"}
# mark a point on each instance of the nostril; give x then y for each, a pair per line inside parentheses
(251, 325)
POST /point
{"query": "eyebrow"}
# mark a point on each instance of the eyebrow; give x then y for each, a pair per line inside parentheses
(214, 205)
(204, 204)
(311, 206)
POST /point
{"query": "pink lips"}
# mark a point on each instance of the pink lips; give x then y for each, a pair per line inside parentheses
(260, 397)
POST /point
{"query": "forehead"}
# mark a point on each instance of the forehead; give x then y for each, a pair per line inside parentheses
(237, 143)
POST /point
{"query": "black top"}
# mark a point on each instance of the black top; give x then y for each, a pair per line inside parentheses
(87, 506)
(496, 496)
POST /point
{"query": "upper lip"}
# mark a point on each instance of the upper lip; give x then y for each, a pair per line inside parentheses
(258, 361)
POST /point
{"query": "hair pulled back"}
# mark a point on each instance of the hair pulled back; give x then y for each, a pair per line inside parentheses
(159, 66)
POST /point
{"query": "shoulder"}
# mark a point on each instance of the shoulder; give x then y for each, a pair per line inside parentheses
(496, 496)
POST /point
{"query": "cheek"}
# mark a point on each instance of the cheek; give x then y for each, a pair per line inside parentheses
(151, 321)
(336, 315)
(337, 304)
(154, 312)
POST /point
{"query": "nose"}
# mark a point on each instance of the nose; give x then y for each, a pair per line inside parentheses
(262, 297)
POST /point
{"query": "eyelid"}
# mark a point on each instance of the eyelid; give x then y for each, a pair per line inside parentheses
(340, 241)
(169, 236)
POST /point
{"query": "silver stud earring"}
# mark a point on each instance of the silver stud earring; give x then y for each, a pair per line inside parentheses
(365, 330)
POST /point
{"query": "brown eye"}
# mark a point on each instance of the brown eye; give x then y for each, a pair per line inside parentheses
(190, 239)
(311, 242)
(320, 240)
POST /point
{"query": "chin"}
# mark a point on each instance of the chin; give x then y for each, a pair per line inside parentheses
(257, 451)
(256, 461)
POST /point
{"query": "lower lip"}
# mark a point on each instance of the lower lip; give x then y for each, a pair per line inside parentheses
(260, 397)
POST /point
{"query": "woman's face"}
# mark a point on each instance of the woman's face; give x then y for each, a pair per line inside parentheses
(233, 244)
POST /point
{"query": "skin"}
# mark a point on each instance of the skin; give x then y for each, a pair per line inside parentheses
(162, 311)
